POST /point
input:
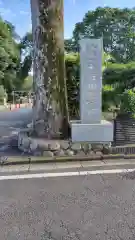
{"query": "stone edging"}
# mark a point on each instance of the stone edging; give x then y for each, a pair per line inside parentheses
(44, 151)
(60, 148)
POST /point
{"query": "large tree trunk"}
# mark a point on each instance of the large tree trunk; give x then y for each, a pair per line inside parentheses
(50, 108)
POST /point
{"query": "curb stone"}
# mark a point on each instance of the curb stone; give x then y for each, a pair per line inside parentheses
(37, 160)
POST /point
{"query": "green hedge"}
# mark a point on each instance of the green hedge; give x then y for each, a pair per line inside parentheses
(72, 63)
(128, 102)
(117, 78)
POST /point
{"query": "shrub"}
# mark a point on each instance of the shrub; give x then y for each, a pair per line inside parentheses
(128, 102)
(116, 79)
(72, 64)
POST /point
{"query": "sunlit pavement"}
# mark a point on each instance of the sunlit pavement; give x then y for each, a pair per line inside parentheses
(99, 206)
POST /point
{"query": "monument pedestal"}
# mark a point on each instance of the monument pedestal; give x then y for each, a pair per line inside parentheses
(97, 132)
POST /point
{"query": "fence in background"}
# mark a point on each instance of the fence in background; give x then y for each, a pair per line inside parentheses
(18, 105)
(124, 130)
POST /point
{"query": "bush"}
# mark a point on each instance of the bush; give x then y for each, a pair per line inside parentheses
(3, 94)
(128, 102)
(116, 79)
(72, 64)
(120, 75)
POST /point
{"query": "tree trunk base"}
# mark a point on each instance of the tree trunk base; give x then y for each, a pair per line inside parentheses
(39, 132)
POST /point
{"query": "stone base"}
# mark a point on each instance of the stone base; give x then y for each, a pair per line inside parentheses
(59, 148)
(102, 132)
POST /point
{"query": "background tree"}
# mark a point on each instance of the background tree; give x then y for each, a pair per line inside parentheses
(28, 84)
(115, 25)
(3, 94)
(117, 28)
(26, 46)
(26, 51)
(9, 57)
(69, 45)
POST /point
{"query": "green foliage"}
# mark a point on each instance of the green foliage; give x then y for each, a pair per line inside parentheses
(26, 48)
(25, 68)
(128, 102)
(73, 77)
(28, 83)
(108, 94)
(26, 51)
(3, 94)
(121, 76)
(9, 56)
(116, 79)
(115, 25)
(69, 45)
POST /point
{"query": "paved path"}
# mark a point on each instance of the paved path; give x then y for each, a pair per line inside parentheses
(10, 124)
(99, 206)
(22, 115)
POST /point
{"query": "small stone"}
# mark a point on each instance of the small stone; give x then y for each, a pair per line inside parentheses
(85, 148)
(24, 150)
(30, 125)
(54, 146)
(106, 149)
(60, 153)
(81, 154)
(43, 145)
(91, 153)
(99, 153)
(48, 154)
(20, 137)
(37, 153)
(76, 146)
(65, 145)
(25, 143)
(90, 147)
(97, 147)
(70, 152)
(33, 146)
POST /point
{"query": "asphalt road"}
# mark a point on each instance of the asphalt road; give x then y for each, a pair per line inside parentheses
(16, 117)
(12, 121)
(100, 207)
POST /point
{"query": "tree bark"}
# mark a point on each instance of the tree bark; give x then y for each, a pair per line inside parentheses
(50, 108)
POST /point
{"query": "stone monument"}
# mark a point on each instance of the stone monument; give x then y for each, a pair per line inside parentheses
(91, 127)
(89, 130)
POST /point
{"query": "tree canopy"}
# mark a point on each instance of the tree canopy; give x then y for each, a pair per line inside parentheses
(115, 25)
(9, 56)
